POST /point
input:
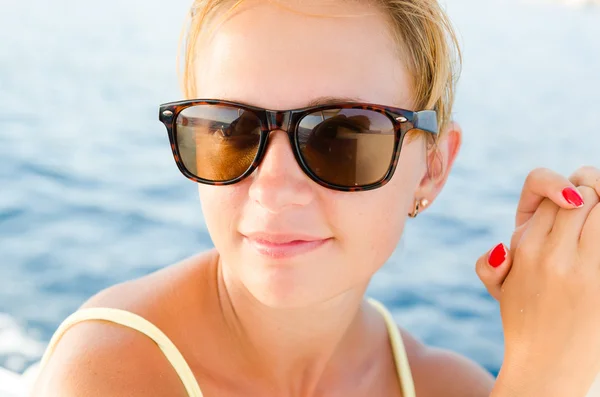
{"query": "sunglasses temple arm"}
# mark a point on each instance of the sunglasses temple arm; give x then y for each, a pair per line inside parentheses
(426, 120)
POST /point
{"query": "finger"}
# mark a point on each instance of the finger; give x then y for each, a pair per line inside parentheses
(568, 226)
(543, 183)
(589, 242)
(492, 268)
(587, 176)
(517, 234)
(541, 223)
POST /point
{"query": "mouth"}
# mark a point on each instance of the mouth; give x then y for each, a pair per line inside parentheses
(283, 247)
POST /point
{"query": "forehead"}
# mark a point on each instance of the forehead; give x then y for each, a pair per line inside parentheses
(268, 56)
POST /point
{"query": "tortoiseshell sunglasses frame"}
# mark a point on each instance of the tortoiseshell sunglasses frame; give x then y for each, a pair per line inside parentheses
(288, 120)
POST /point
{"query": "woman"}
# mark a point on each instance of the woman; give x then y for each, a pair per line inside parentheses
(302, 220)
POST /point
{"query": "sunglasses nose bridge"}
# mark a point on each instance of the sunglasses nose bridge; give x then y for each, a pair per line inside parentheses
(278, 120)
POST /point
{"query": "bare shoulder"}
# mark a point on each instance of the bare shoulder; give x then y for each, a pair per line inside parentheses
(441, 372)
(100, 358)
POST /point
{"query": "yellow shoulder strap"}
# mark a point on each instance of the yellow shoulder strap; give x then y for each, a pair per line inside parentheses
(400, 357)
(138, 323)
(186, 375)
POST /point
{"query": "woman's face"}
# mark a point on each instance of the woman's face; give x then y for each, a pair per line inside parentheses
(267, 56)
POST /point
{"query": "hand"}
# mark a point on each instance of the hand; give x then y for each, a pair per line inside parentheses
(540, 184)
(549, 302)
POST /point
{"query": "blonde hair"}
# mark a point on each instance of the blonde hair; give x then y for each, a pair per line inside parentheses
(421, 29)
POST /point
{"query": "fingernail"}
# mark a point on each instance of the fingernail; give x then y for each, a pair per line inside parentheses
(497, 256)
(573, 197)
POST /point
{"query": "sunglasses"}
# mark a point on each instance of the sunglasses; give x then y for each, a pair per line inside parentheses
(343, 146)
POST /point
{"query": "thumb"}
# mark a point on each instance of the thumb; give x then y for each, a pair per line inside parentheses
(492, 268)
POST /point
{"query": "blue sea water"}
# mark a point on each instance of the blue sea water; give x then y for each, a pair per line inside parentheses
(90, 195)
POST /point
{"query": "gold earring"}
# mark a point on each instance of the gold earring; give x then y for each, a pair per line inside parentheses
(419, 204)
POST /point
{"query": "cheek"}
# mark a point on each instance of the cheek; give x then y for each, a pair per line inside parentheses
(369, 226)
(221, 206)
(371, 223)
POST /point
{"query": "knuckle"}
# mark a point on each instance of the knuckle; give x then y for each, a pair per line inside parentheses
(558, 270)
(527, 252)
(553, 251)
(537, 173)
(590, 197)
(586, 174)
(562, 263)
(588, 169)
(515, 239)
(571, 276)
(587, 190)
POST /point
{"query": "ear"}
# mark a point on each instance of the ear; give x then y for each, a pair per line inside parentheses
(440, 159)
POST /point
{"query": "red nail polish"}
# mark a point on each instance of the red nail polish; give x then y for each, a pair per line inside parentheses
(497, 256)
(573, 197)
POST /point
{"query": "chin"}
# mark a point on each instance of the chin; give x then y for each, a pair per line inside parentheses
(287, 286)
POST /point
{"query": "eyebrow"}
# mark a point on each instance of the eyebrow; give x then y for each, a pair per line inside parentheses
(331, 100)
(319, 101)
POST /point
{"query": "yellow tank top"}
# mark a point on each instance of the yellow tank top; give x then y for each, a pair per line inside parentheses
(172, 354)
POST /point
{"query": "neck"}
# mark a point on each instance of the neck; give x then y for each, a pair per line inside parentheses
(295, 351)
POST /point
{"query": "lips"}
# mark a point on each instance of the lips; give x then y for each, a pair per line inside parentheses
(278, 246)
(281, 238)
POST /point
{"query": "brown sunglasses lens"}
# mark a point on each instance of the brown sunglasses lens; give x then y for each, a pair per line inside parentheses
(347, 147)
(217, 143)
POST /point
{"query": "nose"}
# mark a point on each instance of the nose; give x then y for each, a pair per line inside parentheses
(279, 183)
